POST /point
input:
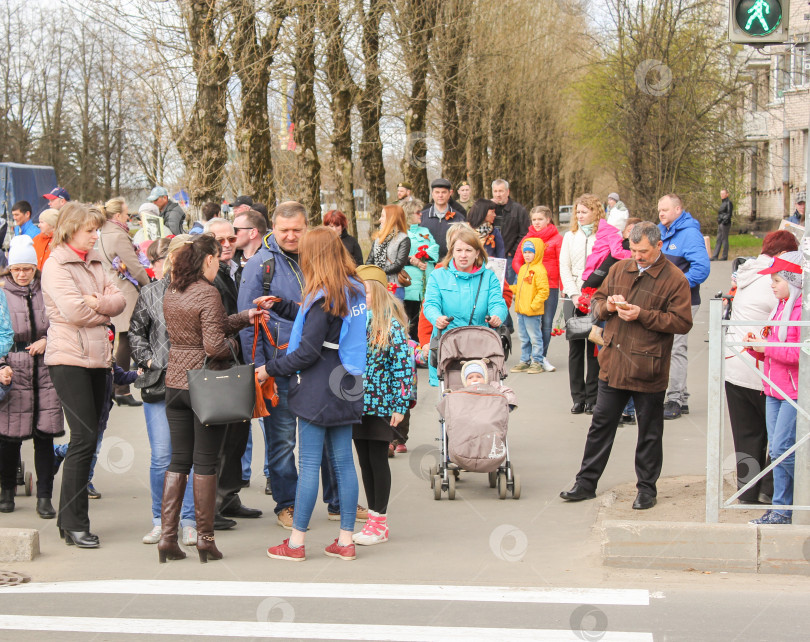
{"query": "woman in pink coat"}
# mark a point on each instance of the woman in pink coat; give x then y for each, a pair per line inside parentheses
(782, 368)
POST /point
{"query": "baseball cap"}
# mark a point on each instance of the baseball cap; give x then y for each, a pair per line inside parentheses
(787, 262)
(156, 193)
(57, 192)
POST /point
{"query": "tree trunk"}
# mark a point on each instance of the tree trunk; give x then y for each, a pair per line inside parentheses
(252, 58)
(343, 92)
(202, 141)
(370, 107)
(304, 113)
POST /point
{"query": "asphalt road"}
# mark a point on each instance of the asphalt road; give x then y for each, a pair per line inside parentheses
(542, 552)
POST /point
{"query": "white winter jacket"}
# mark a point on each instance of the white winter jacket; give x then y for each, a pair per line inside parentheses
(753, 301)
(574, 251)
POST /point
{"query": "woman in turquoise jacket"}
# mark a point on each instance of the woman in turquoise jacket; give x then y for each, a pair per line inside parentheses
(423, 256)
(464, 292)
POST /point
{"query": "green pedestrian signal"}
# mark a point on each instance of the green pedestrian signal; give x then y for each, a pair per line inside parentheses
(758, 22)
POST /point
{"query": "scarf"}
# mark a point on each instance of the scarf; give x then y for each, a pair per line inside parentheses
(380, 251)
(587, 230)
(486, 235)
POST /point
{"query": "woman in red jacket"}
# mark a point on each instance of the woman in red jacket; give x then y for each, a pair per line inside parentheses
(543, 228)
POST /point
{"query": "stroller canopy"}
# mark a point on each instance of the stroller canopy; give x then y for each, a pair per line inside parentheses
(471, 342)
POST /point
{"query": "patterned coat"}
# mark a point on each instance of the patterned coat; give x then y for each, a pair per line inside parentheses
(32, 403)
(389, 376)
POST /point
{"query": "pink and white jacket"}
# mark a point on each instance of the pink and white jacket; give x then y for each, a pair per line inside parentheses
(608, 243)
(781, 363)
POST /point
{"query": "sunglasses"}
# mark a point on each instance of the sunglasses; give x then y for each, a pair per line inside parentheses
(227, 239)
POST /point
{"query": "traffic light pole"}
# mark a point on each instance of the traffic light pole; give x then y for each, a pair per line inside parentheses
(801, 479)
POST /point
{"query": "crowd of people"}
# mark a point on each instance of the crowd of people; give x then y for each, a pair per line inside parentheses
(86, 311)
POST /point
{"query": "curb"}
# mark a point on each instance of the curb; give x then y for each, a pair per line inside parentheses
(18, 544)
(685, 546)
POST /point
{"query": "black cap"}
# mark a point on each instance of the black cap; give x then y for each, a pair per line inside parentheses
(243, 200)
(441, 182)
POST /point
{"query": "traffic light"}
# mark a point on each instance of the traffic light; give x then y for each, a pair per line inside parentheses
(758, 22)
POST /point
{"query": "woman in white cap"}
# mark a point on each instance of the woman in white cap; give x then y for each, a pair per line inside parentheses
(32, 408)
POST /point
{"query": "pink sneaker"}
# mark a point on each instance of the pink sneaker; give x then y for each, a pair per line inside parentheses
(374, 532)
(284, 552)
(343, 552)
(401, 448)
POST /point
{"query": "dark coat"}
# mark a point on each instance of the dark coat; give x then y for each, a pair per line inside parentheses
(438, 226)
(147, 329)
(314, 394)
(513, 221)
(636, 354)
(173, 217)
(352, 247)
(32, 403)
(725, 212)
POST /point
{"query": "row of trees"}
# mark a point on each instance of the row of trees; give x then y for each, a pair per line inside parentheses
(318, 99)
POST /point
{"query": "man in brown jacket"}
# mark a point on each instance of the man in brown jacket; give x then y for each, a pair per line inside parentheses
(644, 301)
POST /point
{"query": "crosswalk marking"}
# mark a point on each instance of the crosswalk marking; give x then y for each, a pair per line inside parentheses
(299, 630)
(532, 595)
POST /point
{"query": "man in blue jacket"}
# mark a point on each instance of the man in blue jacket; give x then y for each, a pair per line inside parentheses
(279, 254)
(684, 246)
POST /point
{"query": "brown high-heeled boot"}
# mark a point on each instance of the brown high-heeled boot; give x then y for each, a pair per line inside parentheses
(174, 486)
(205, 501)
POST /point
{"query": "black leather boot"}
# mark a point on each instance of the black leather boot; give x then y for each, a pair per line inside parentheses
(7, 500)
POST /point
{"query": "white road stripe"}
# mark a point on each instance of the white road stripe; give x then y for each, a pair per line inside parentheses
(533, 595)
(305, 631)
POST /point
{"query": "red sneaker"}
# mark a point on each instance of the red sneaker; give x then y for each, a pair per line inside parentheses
(343, 552)
(284, 552)
(401, 448)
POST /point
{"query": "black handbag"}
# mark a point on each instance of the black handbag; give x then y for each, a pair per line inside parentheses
(578, 327)
(152, 384)
(222, 396)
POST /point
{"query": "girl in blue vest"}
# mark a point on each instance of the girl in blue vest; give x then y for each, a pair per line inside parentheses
(389, 378)
(325, 361)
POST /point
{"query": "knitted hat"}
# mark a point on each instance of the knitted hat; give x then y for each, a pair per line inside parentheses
(21, 251)
(50, 217)
(614, 196)
(528, 246)
(474, 366)
(789, 267)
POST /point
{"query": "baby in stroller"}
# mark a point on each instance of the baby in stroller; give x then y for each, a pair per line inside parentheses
(474, 374)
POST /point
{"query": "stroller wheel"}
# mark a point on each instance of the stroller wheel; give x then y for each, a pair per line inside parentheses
(502, 486)
(437, 487)
(451, 488)
(493, 478)
(21, 473)
(515, 486)
(29, 483)
(432, 472)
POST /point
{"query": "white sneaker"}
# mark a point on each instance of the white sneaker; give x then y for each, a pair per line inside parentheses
(189, 536)
(547, 365)
(374, 532)
(153, 536)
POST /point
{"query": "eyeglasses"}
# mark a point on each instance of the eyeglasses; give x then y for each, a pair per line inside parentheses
(22, 270)
(227, 239)
(243, 228)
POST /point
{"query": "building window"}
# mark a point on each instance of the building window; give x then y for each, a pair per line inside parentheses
(781, 77)
(800, 57)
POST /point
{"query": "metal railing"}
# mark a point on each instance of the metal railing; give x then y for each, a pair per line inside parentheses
(718, 342)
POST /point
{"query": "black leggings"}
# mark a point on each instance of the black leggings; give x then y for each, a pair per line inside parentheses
(43, 464)
(192, 443)
(373, 457)
(123, 357)
(82, 392)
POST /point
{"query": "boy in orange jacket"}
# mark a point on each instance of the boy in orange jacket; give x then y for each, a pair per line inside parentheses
(531, 292)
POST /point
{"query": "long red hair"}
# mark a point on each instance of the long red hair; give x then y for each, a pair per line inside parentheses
(327, 266)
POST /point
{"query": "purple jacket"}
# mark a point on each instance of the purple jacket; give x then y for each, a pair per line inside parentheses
(608, 243)
(32, 402)
(781, 363)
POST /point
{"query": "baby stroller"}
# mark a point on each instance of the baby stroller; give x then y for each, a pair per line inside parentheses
(472, 426)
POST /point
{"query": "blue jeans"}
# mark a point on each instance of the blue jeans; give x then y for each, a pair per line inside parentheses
(160, 442)
(780, 418)
(279, 434)
(630, 408)
(337, 441)
(548, 317)
(531, 338)
(248, 456)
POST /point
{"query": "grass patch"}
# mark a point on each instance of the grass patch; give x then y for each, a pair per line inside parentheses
(741, 245)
